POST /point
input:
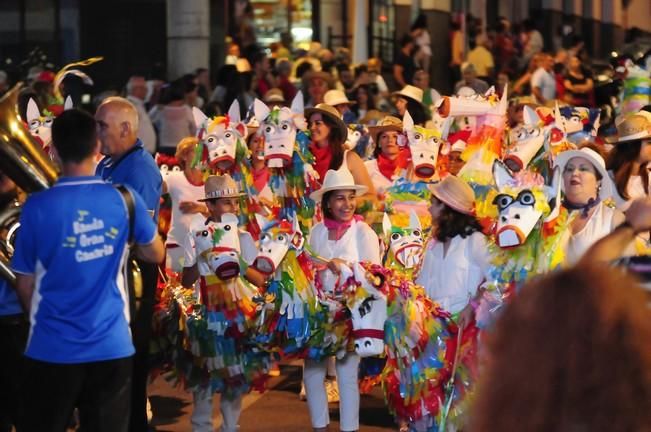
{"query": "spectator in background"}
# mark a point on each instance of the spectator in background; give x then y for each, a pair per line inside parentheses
(274, 98)
(346, 80)
(456, 51)
(420, 35)
(203, 82)
(470, 80)
(543, 83)
(410, 98)
(365, 101)
(501, 83)
(579, 86)
(574, 327)
(430, 96)
(136, 93)
(523, 85)
(284, 70)
(482, 58)
(374, 65)
(173, 119)
(533, 42)
(228, 83)
(504, 49)
(191, 91)
(404, 66)
(262, 78)
(316, 85)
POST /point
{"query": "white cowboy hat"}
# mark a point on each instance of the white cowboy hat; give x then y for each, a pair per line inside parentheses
(411, 92)
(606, 189)
(222, 186)
(341, 179)
(336, 97)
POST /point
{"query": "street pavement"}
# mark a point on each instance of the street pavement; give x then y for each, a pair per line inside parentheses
(278, 409)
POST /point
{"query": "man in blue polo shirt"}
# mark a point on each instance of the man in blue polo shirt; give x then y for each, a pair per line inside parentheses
(128, 163)
(69, 259)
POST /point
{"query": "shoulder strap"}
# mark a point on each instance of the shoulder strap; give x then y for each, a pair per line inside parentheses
(131, 208)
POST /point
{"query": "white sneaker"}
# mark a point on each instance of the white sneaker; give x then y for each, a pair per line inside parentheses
(332, 390)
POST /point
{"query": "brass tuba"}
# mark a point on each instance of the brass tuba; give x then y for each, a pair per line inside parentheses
(23, 160)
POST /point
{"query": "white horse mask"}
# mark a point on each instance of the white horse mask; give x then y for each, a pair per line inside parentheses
(219, 136)
(219, 244)
(40, 126)
(519, 204)
(424, 145)
(405, 244)
(368, 312)
(529, 139)
(276, 240)
(279, 127)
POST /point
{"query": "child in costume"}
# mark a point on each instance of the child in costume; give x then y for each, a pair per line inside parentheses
(342, 237)
(213, 267)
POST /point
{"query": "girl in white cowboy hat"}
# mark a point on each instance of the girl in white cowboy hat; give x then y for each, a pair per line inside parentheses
(585, 186)
(341, 238)
(222, 200)
(329, 133)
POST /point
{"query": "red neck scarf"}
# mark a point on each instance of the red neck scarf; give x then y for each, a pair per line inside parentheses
(260, 178)
(340, 228)
(322, 159)
(389, 167)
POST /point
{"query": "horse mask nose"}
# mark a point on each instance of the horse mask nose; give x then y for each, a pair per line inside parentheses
(367, 347)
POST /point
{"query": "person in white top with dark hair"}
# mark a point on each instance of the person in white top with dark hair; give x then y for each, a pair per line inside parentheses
(341, 238)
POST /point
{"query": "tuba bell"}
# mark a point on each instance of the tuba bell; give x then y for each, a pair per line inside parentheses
(24, 162)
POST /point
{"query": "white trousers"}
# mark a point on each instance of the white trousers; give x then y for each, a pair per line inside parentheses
(202, 412)
(317, 400)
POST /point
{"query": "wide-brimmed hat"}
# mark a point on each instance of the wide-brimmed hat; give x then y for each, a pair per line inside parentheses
(336, 97)
(411, 92)
(633, 127)
(455, 193)
(606, 189)
(341, 179)
(330, 112)
(274, 95)
(222, 186)
(388, 123)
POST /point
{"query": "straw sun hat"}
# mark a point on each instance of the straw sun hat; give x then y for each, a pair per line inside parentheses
(222, 186)
(341, 179)
(330, 112)
(455, 193)
(388, 123)
(634, 127)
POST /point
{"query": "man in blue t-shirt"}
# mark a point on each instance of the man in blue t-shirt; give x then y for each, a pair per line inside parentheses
(128, 163)
(69, 263)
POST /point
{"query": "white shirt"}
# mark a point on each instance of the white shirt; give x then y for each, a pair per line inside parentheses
(359, 243)
(180, 189)
(546, 82)
(380, 182)
(146, 131)
(173, 124)
(451, 280)
(601, 223)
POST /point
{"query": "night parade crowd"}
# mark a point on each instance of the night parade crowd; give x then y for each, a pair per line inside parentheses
(476, 246)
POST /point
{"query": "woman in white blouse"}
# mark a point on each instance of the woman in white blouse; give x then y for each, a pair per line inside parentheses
(585, 186)
(456, 255)
(341, 238)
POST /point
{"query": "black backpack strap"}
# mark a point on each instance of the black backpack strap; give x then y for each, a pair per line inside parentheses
(131, 208)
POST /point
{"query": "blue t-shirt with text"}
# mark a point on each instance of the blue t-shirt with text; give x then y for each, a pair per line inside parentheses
(138, 170)
(73, 240)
